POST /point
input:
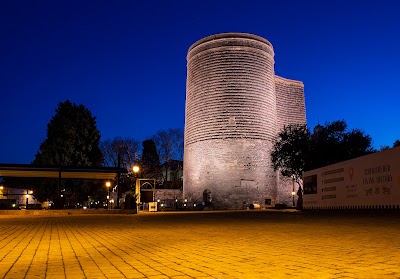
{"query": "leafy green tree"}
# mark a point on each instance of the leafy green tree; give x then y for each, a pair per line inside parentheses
(356, 143)
(150, 163)
(296, 149)
(325, 145)
(72, 140)
(291, 150)
(333, 143)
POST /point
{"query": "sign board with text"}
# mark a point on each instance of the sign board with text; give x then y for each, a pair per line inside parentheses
(372, 180)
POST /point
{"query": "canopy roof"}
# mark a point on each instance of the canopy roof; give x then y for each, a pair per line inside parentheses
(24, 170)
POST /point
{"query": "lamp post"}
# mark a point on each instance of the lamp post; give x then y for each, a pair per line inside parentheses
(135, 170)
(293, 192)
(118, 179)
(27, 197)
(108, 184)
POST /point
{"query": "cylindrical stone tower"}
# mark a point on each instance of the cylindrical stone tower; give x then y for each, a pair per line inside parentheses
(230, 121)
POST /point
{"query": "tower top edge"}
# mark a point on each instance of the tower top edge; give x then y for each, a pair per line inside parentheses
(288, 80)
(230, 35)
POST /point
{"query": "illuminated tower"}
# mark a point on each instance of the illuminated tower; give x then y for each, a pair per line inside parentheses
(231, 120)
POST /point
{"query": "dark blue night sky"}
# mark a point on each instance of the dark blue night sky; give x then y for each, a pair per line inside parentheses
(126, 62)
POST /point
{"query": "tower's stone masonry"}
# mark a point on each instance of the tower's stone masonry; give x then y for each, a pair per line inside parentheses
(289, 102)
(234, 107)
(290, 109)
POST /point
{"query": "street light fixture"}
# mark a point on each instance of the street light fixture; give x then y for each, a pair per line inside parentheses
(293, 192)
(28, 193)
(108, 184)
(135, 170)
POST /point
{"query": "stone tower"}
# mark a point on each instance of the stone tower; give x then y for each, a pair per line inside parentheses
(235, 105)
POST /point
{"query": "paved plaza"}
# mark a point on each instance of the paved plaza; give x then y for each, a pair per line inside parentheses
(230, 244)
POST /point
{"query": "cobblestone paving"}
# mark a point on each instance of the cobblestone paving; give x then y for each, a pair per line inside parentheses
(246, 244)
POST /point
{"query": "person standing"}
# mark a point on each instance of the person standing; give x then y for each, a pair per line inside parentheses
(300, 199)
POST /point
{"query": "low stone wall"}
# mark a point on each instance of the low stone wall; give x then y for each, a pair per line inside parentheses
(67, 212)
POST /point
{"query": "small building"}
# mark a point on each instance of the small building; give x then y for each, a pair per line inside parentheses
(17, 198)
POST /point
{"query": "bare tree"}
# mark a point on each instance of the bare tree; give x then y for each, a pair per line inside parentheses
(127, 148)
(121, 152)
(169, 145)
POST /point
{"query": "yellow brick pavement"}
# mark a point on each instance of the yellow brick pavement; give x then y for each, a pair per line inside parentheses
(237, 244)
